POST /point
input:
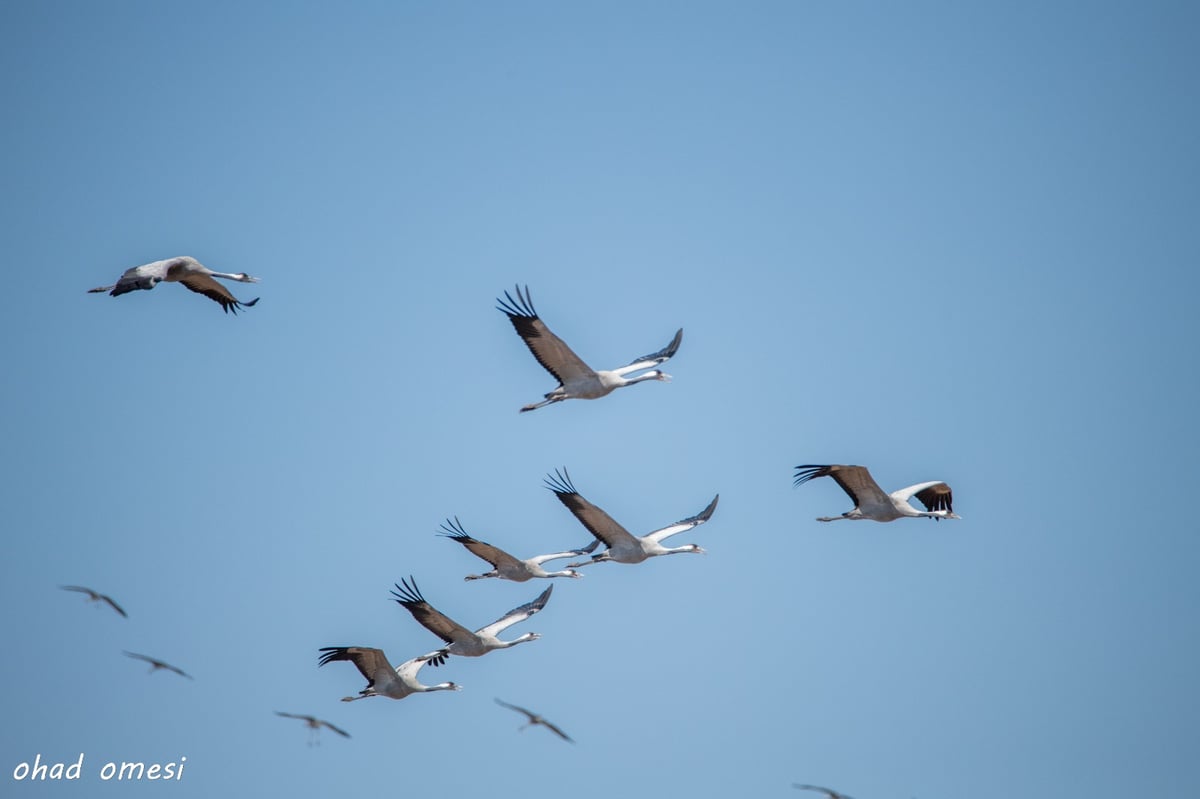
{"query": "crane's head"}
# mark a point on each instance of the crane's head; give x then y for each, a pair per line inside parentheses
(574, 574)
(696, 549)
(661, 375)
(242, 277)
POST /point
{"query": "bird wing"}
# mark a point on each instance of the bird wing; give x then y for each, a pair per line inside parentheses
(114, 605)
(549, 350)
(145, 277)
(517, 614)
(371, 663)
(409, 668)
(654, 358)
(177, 670)
(934, 495)
(493, 555)
(591, 547)
(856, 481)
(80, 589)
(554, 729)
(532, 717)
(209, 287)
(428, 616)
(312, 719)
(832, 794)
(338, 730)
(599, 523)
(684, 524)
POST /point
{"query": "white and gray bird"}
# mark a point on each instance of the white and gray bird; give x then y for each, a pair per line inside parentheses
(623, 546)
(314, 725)
(535, 719)
(156, 664)
(870, 501)
(182, 269)
(382, 678)
(504, 565)
(96, 596)
(576, 380)
(829, 792)
(462, 641)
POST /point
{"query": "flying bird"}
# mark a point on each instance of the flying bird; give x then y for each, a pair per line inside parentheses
(871, 503)
(314, 725)
(462, 641)
(504, 565)
(623, 546)
(382, 678)
(156, 664)
(95, 596)
(534, 718)
(829, 792)
(576, 380)
(183, 269)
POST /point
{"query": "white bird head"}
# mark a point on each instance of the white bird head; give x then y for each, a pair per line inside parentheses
(574, 574)
(660, 375)
(242, 277)
(696, 548)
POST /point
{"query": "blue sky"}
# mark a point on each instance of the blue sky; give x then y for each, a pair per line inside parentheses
(943, 241)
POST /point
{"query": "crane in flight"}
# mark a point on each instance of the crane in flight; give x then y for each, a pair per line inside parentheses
(182, 269)
(576, 380)
(460, 640)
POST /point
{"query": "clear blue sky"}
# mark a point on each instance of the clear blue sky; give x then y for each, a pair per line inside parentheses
(946, 242)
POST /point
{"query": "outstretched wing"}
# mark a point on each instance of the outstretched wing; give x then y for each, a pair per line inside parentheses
(493, 555)
(856, 481)
(591, 547)
(209, 287)
(598, 523)
(338, 730)
(684, 524)
(517, 614)
(371, 663)
(832, 794)
(936, 497)
(438, 623)
(549, 350)
(654, 358)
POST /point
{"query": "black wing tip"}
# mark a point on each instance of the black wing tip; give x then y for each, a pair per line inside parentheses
(520, 308)
(560, 482)
(808, 471)
(331, 653)
(673, 347)
(407, 593)
(454, 529)
(707, 513)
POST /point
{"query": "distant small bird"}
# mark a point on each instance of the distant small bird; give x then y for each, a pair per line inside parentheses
(156, 664)
(832, 794)
(576, 380)
(505, 566)
(183, 269)
(95, 596)
(534, 718)
(623, 546)
(382, 678)
(463, 642)
(870, 501)
(314, 725)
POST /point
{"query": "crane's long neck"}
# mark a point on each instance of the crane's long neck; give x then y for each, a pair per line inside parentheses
(442, 686)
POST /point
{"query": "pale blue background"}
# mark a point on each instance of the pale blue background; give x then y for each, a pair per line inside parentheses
(948, 241)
